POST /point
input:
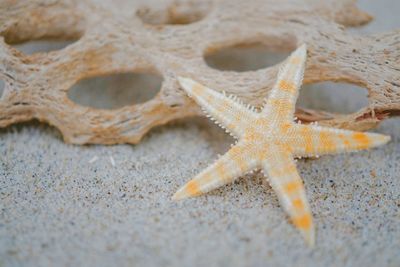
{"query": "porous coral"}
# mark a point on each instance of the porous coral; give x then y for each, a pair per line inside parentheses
(171, 38)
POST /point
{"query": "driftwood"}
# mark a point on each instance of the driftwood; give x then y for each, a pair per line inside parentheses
(170, 38)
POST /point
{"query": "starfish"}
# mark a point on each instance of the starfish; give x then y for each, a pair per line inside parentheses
(270, 140)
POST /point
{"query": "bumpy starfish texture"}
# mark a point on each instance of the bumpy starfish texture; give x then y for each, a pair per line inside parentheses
(270, 140)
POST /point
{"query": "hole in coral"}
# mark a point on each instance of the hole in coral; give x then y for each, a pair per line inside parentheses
(115, 90)
(244, 57)
(2, 85)
(333, 97)
(176, 13)
(385, 13)
(40, 46)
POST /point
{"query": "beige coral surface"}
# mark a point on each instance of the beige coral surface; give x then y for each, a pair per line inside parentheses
(170, 39)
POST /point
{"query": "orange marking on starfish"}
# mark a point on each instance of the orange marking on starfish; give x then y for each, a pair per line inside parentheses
(208, 98)
(303, 222)
(280, 104)
(295, 60)
(221, 107)
(309, 147)
(260, 154)
(260, 123)
(241, 163)
(308, 142)
(362, 139)
(326, 141)
(293, 186)
(197, 89)
(220, 169)
(287, 86)
(206, 177)
(193, 188)
(298, 204)
(235, 152)
(344, 139)
(253, 136)
(237, 118)
(274, 102)
(285, 127)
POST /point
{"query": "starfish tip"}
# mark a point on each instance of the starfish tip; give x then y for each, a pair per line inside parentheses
(309, 236)
(303, 47)
(182, 193)
(386, 138)
(177, 196)
(301, 51)
(379, 139)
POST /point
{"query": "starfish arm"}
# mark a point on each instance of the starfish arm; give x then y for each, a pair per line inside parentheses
(236, 162)
(316, 140)
(280, 104)
(286, 182)
(231, 114)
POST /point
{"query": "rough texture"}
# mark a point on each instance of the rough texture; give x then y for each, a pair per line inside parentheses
(124, 36)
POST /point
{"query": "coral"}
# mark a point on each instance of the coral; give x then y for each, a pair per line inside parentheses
(171, 38)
